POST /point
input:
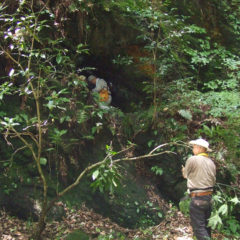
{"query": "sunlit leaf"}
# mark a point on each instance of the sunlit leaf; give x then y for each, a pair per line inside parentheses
(11, 72)
(59, 58)
(160, 214)
(43, 161)
(223, 209)
(214, 221)
(114, 183)
(185, 114)
(235, 200)
(95, 174)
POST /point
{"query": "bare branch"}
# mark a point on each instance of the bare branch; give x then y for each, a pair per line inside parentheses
(14, 135)
(126, 149)
(143, 156)
(162, 145)
(6, 134)
(15, 152)
(25, 142)
(12, 58)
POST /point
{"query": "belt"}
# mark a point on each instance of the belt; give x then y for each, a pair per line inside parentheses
(196, 194)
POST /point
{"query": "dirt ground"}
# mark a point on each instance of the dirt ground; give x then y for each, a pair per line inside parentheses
(175, 227)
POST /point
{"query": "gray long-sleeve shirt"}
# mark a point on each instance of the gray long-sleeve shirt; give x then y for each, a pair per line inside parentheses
(100, 84)
(200, 172)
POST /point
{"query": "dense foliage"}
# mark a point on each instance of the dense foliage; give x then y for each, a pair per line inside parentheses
(184, 83)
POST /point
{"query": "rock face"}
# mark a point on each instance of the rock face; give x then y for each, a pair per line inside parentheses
(25, 205)
(132, 204)
(20, 204)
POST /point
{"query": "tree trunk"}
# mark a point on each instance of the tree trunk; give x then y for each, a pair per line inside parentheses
(40, 226)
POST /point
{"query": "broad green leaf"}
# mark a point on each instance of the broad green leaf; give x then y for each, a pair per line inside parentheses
(4, 123)
(215, 220)
(6, 164)
(51, 105)
(95, 174)
(59, 58)
(233, 226)
(223, 209)
(185, 114)
(157, 170)
(43, 161)
(150, 143)
(235, 200)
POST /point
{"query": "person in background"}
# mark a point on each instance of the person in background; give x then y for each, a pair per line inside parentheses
(200, 172)
(102, 88)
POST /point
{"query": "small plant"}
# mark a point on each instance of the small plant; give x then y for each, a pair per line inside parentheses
(107, 176)
(184, 205)
(112, 236)
(157, 170)
(222, 217)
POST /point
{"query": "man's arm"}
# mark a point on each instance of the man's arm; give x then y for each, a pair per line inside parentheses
(183, 172)
(189, 166)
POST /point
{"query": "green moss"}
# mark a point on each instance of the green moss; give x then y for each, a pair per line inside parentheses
(77, 235)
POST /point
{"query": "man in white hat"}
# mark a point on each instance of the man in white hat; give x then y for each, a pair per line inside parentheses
(102, 88)
(200, 172)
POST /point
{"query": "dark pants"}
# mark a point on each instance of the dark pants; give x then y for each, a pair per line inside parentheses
(200, 211)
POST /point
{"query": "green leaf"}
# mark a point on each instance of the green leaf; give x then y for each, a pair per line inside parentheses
(235, 200)
(233, 226)
(73, 7)
(114, 183)
(215, 220)
(150, 143)
(29, 180)
(94, 129)
(185, 114)
(43, 161)
(157, 170)
(51, 105)
(6, 164)
(223, 209)
(59, 58)
(11, 72)
(95, 174)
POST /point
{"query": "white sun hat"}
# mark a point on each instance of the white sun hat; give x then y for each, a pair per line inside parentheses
(91, 77)
(201, 142)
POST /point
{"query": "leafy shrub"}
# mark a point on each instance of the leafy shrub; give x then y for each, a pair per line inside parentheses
(223, 216)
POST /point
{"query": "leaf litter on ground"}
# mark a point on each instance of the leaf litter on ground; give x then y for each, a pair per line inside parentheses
(175, 226)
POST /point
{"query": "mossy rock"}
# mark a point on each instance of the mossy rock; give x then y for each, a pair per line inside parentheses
(129, 206)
